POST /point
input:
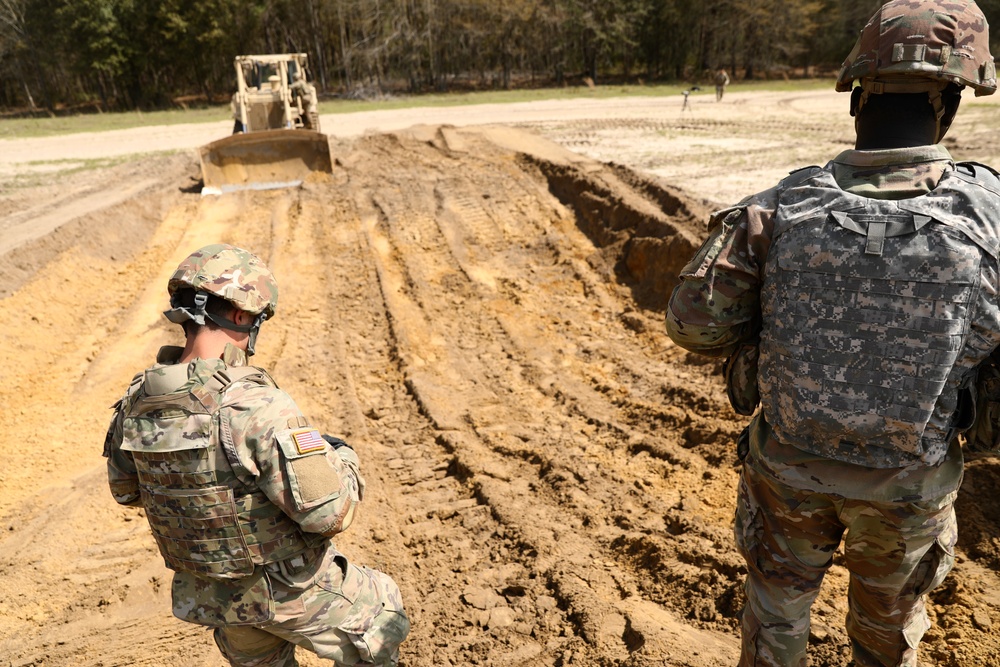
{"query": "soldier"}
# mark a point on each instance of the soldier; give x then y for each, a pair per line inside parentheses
(242, 493)
(721, 81)
(306, 92)
(854, 303)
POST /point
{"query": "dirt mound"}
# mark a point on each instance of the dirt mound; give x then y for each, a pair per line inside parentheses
(479, 312)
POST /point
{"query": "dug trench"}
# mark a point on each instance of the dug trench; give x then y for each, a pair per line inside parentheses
(479, 312)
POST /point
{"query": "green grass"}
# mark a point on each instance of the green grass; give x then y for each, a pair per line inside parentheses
(101, 122)
(12, 128)
(39, 172)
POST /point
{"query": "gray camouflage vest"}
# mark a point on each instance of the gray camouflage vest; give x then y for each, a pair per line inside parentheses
(205, 520)
(876, 314)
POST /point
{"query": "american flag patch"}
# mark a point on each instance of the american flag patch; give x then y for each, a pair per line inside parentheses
(308, 440)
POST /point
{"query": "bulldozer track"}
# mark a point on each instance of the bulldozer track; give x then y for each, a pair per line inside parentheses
(549, 479)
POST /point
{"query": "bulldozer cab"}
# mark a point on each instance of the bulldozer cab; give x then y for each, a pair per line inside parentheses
(276, 140)
(258, 73)
(264, 98)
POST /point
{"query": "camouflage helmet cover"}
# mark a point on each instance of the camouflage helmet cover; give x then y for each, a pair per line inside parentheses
(231, 273)
(941, 41)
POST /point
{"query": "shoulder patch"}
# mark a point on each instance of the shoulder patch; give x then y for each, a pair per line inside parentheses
(307, 440)
(314, 473)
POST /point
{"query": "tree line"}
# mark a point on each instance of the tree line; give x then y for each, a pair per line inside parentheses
(142, 54)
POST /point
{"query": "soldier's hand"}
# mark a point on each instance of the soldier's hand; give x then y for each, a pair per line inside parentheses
(336, 443)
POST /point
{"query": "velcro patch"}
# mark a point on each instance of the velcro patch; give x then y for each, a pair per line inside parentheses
(297, 422)
(307, 440)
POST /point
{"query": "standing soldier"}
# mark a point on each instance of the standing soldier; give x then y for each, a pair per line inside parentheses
(854, 303)
(306, 93)
(242, 493)
(721, 81)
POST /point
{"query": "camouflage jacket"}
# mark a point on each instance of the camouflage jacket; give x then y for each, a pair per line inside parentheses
(217, 439)
(717, 306)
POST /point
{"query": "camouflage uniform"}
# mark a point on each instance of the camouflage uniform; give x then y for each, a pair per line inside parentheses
(301, 89)
(243, 497)
(721, 81)
(796, 501)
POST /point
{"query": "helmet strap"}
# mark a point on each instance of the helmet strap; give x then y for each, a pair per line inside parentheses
(178, 314)
(254, 330)
(938, 104)
(200, 315)
(223, 323)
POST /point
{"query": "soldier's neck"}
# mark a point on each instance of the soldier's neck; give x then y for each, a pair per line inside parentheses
(211, 344)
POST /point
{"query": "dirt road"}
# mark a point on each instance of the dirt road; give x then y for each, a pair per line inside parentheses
(479, 311)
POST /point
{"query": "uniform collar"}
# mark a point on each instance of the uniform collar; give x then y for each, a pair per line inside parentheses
(894, 156)
(234, 356)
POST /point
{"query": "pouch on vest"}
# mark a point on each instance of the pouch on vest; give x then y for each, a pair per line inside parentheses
(218, 602)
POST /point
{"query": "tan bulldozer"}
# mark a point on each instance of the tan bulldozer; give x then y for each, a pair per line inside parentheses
(276, 140)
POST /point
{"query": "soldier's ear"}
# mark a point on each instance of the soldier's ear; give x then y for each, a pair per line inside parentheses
(242, 317)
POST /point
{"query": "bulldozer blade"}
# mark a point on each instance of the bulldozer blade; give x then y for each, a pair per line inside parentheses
(263, 160)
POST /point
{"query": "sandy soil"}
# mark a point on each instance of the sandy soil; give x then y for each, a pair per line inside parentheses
(478, 308)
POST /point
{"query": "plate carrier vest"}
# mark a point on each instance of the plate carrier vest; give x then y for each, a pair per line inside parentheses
(206, 518)
(873, 321)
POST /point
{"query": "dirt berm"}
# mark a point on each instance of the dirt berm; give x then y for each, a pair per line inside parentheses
(479, 312)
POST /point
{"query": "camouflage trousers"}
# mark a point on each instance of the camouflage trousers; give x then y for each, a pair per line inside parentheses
(348, 614)
(895, 552)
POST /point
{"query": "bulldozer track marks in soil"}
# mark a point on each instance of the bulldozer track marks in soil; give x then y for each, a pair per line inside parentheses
(479, 313)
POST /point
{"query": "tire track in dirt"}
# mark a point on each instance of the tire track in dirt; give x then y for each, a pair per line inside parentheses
(421, 512)
(498, 441)
(549, 479)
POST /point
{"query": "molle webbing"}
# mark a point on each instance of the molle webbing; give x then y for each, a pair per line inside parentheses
(198, 531)
(868, 306)
(204, 518)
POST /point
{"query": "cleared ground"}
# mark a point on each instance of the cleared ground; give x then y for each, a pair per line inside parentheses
(479, 311)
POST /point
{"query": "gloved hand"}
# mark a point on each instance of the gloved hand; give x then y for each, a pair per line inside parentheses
(984, 435)
(350, 458)
(336, 443)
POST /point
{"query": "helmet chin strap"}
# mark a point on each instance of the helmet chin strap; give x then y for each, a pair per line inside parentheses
(199, 315)
(253, 328)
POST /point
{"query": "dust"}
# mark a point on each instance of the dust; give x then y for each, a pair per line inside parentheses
(479, 312)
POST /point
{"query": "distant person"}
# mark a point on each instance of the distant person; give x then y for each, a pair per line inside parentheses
(855, 303)
(721, 81)
(242, 493)
(305, 92)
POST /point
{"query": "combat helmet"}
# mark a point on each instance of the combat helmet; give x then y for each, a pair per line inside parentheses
(229, 273)
(915, 46)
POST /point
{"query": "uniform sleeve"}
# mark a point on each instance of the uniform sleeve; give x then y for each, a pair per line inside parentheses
(317, 486)
(716, 306)
(122, 477)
